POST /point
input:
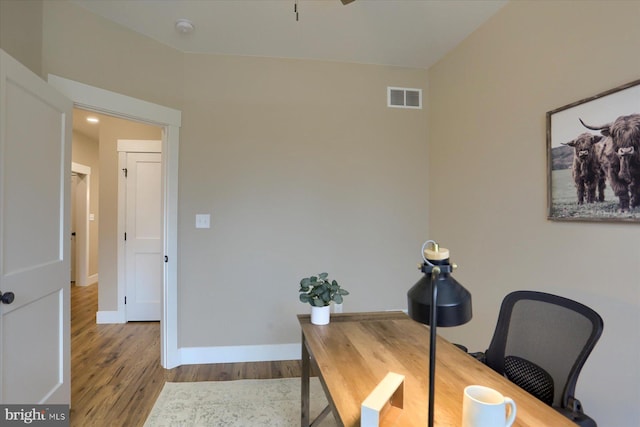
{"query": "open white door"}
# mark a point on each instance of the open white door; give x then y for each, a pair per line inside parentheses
(35, 165)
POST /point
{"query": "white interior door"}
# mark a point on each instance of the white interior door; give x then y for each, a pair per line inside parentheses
(80, 201)
(72, 256)
(35, 165)
(143, 245)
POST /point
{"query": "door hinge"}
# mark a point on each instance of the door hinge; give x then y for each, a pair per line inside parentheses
(125, 172)
(166, 258)
(125, 300)
(125, 236)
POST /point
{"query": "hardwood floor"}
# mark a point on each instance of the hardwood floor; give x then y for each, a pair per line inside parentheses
(115, 369)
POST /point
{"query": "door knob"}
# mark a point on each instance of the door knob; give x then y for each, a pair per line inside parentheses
(7, 297)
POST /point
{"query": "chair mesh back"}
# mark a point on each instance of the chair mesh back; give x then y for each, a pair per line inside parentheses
(553, 334)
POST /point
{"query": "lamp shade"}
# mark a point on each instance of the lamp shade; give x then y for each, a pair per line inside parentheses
(453, 302)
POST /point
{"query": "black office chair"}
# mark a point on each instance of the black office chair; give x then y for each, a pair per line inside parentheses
(540, 343)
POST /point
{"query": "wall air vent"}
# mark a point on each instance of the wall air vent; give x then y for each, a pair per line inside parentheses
(402, 97)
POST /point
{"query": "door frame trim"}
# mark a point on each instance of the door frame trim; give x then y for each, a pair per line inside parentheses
(83, 195)
(114, 104)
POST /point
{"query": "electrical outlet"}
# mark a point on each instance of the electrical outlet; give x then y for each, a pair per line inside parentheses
(203, 221)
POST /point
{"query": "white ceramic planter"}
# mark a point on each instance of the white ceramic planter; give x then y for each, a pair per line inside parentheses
(320, 315)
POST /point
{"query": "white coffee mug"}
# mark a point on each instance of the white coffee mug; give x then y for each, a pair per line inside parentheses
(485, 407)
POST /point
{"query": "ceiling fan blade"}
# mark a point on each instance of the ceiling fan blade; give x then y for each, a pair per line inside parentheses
(346, 2)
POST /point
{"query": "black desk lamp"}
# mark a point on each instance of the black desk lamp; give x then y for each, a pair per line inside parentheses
(437, 300)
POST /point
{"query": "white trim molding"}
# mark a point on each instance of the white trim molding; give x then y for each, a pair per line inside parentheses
(118, 105)
(242, 353)
(80, 168)
(115, 104)
(139, 146)
(105, 317)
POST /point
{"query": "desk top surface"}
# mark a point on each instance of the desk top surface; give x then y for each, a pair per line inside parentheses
(356, 350)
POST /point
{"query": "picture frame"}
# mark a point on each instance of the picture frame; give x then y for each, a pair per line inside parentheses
(593, 169)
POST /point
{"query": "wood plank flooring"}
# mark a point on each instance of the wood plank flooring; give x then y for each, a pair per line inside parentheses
(115, 369)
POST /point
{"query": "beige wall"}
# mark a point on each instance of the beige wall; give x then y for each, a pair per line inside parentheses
(488, 100)
(84, 150)
(81, 46)
(21, 31)
(300, 164)
(303, 169)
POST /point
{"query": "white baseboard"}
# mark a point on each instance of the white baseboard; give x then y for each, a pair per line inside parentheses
(92, 279)
(103, 317)
(88, 281)
(243, 353)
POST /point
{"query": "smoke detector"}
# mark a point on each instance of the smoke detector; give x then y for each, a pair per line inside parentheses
(184, 26)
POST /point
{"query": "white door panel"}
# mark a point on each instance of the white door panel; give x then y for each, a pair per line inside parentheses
(35, 134)
(27, 355)
(72, 257)
(143, 253)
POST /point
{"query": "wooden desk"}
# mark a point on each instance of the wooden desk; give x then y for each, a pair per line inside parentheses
(355, 351)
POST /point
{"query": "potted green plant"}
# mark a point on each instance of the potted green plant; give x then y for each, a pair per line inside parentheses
(318, 291)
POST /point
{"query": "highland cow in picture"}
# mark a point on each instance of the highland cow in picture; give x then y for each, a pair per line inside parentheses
(587, 172)
(620, 158)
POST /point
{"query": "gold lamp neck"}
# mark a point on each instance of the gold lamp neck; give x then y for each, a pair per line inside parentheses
(435, 252)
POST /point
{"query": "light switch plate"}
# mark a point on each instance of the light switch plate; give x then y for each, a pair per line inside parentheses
(203, 221)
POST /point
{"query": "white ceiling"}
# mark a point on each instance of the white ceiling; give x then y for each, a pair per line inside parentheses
(410, 33)
(80, 123)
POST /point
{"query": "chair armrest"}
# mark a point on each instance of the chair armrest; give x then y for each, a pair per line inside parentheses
(479, 356)
(461, 347)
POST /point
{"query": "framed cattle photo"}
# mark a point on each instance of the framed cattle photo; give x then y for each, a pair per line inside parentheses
(593, 153)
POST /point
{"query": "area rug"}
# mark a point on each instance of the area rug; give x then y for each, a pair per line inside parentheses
(242, 403)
